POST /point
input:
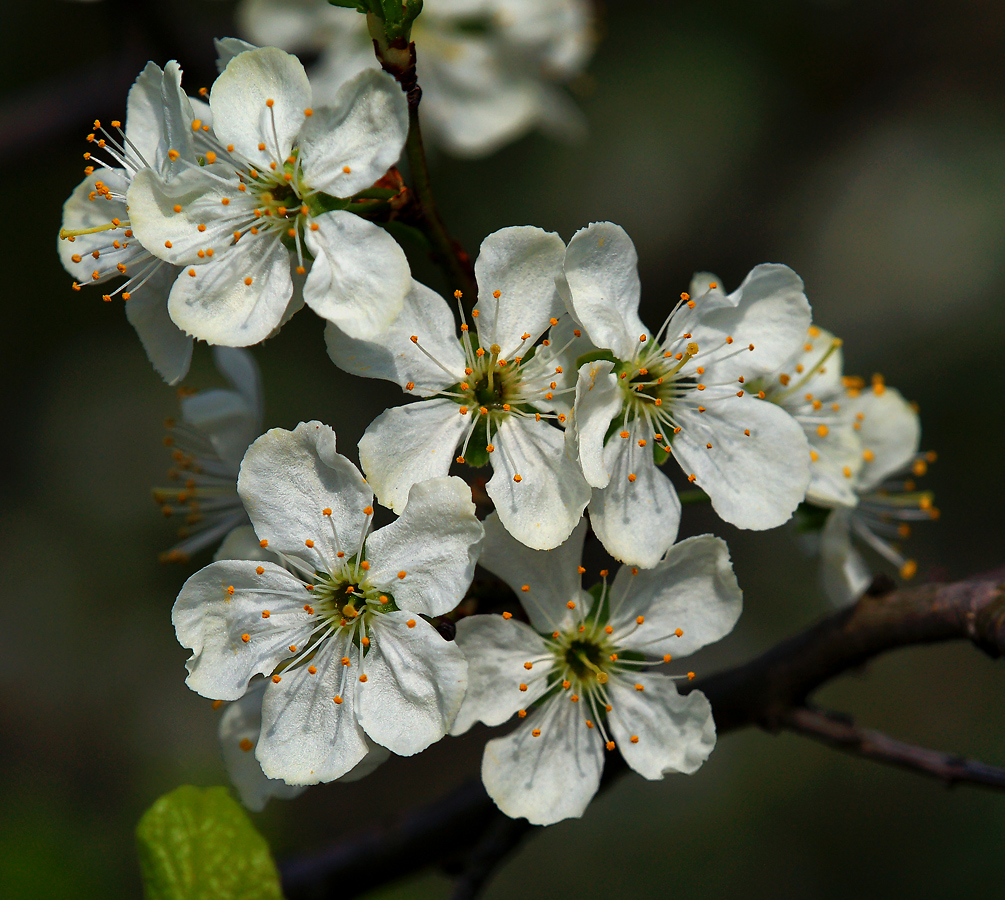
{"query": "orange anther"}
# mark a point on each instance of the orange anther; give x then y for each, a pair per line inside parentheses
(245, 637)
(276, 679)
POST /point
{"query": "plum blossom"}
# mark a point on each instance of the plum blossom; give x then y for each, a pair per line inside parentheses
(888, 498)
(269, 195)
(683, 392)
(490, 70)
(97, 242)
(340, 633)
(809, 387)
(207, 445)
(492, 396)
(578, 676)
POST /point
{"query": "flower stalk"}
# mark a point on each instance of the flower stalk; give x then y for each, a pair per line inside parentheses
(396, 53)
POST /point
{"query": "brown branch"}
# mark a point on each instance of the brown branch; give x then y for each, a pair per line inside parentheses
(770, 692)
(764, 691)
(397, 57)
(841, 733)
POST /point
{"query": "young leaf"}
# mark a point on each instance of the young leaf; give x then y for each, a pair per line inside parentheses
(199, 844)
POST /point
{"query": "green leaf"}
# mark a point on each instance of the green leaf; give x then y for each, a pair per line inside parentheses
(406, 234)
(593, 356)
(359, 5)
(199, 844)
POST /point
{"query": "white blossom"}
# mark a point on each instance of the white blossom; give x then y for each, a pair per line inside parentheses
(490, 70)
(682, 392)
(207, 444)
(340, 633)
(494, 393)
(888, 498)
(579, 674)
(97, 243)
(809, 387)
(269, 198)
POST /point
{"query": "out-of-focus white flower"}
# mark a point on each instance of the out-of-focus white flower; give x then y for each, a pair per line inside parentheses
(578, 673)
(267, 195)
(339, 633)
(888, 496)
(489, 69)
(494, 393)
(207, 446)
(101, 245)
(682, 391)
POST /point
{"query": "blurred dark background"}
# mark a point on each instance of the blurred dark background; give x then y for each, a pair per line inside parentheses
(860, 142)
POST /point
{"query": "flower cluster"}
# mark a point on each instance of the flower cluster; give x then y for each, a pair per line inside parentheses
(338, 643)
(215, 216)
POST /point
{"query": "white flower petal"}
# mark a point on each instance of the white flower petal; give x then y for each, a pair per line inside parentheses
(769, 310)
(636, 520)
(228, 48)
(408, 444)
(80, 212)
(674, 733)
(203, 222)
(435, 542)
(521, 263)
(543, 507)
(415, 683)
(362, 130)
(550, 777)
(307, 737)
(238, 100)
(289, 477)
(230, 419)
(551, 577)
(472, 103)
(601, 267)
(496, 650)
(238, 366)
(890, 431)
(216, 303)
(240, 725)
(394, 357)
(158, 119)
(844, 575)
(210, 621)
(693, 589)
(243, 543)
(226, 420)
(833, 474)
(754, 481)
(598, 400)
(359, 278)
(294, 25)
(167, 347)
(376, 757)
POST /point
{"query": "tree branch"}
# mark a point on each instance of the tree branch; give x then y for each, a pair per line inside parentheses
(764, 691)
(397, 57)
(770, 692)
(841, 733)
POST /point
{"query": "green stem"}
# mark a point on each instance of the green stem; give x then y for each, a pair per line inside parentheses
(692, 498)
